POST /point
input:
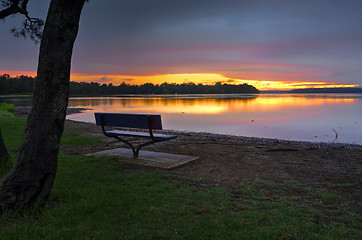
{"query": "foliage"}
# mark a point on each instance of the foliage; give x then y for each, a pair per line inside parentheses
(6, 109)
(25, 85)
(32, 27)
(111, 202)
(16, 85)
(164, 88)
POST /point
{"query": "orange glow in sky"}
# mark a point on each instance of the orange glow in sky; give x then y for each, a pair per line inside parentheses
(203, 78)
(18, 73)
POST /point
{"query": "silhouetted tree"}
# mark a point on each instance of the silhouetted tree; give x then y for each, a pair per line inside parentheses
(33, 173)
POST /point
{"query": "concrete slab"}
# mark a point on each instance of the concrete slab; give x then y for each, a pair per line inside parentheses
(148, 158)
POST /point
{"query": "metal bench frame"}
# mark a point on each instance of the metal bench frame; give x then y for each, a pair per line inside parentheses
(151, 126)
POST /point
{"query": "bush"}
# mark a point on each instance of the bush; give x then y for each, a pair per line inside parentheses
(6, 109)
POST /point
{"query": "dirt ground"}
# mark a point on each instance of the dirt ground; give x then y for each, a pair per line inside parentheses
(230, 161)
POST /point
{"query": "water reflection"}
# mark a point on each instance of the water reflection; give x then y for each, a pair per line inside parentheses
(214, 104)
(308, 117)
(184, 104)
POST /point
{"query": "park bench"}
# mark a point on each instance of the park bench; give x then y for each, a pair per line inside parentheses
(137, 121)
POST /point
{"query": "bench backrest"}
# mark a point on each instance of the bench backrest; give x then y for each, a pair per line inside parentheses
(128, 120)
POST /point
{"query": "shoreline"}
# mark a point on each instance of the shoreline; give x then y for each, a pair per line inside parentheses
(284, 145)
(22, 111)
(265, 140)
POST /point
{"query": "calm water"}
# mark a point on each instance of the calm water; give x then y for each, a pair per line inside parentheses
(307, 117)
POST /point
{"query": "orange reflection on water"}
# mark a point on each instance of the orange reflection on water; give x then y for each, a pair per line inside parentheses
(202, 104)
(272, 103)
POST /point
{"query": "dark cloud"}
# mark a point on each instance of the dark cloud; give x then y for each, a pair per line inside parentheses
(105, 79)
(163, 36)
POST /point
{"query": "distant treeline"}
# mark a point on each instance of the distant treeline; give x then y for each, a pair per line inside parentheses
(83, 88)
(16, 85)
(327, 90)
(26, 85)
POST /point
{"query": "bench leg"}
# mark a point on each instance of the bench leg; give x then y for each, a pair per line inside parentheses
(135, 152)
(142, 145)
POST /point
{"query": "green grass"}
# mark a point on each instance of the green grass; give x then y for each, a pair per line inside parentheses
(13, 128)
(74, 139)
(6, 109)
(93, 198)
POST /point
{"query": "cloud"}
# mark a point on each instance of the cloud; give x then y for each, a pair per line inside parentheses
(314, 40)
(105, 79)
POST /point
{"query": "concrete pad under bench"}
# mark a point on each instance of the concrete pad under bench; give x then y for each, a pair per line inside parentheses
(148, 158)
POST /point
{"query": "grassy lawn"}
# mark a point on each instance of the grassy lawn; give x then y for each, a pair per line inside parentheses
(93, 198)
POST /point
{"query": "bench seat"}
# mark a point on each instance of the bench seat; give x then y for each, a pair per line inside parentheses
(158, 137)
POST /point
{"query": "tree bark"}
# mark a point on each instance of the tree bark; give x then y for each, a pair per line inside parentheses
(4, 155)
(32, 177)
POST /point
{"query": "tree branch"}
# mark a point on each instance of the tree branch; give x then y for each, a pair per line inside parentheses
(24, 4)
(32, 27)
(11, 10)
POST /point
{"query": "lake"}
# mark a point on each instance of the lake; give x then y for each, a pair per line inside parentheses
(307, 117)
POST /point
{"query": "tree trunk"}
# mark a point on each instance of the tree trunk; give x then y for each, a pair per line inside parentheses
(32, 177)
(4, 155)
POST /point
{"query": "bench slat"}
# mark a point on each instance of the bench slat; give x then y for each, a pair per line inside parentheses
(157, 136)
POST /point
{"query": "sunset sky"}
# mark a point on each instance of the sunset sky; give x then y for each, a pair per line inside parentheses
(278, 44)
